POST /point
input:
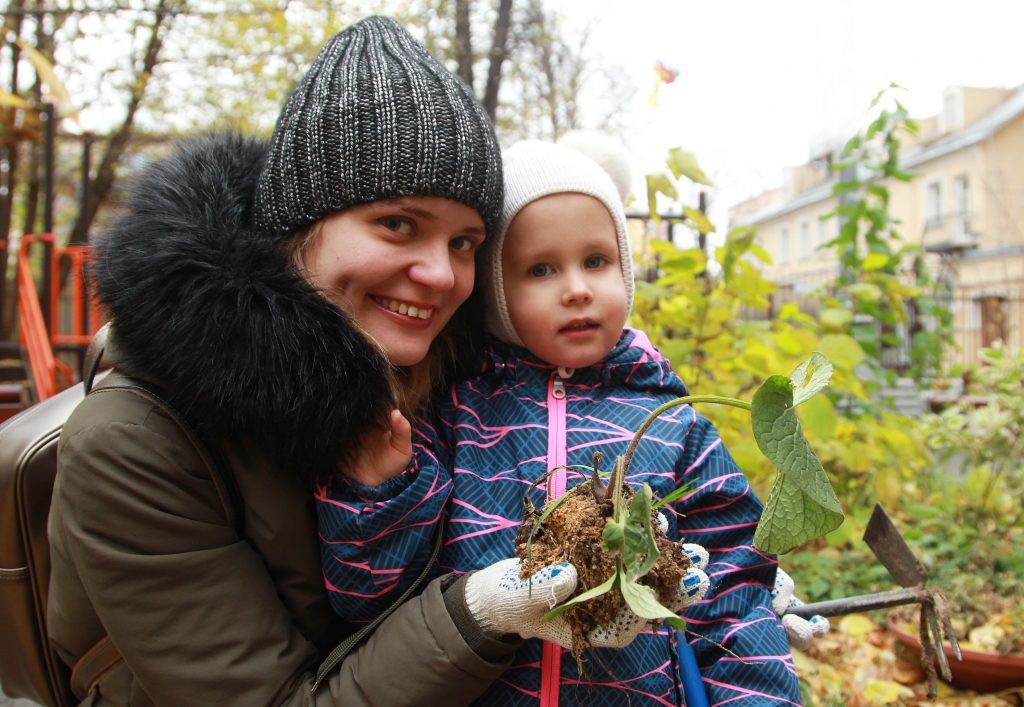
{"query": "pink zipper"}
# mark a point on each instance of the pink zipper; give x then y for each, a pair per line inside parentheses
(551, 658)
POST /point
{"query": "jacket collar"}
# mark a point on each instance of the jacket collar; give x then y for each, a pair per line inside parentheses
(634, 363)
(208, 308)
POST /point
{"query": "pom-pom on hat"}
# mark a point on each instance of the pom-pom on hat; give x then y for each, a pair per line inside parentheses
(535, 169)
(377, 117)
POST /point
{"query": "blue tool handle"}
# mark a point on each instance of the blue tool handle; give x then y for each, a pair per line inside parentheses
(689, 672)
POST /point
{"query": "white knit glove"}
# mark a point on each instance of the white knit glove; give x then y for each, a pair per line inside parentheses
(802, 632)
(501, 602)
(627, 625)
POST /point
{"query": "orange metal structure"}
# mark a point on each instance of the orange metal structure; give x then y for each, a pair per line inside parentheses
(49, 373)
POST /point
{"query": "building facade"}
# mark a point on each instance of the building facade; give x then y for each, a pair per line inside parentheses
(965, 208)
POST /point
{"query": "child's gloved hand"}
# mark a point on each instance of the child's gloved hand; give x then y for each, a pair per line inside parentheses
(627, 625)
(502, 602)
(801, 632)
(383, 454)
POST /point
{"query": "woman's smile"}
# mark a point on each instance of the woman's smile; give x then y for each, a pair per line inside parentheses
(399, 267)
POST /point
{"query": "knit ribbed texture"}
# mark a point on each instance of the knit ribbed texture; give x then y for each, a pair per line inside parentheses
(377, 117)
(534, 169)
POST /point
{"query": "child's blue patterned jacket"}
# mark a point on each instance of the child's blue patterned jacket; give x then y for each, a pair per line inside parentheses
(496, 434)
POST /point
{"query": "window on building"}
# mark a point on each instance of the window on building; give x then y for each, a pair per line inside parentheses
(962, 205)
(823, 232)
(993, 320)
(783, 246)
(933, 204)
(952, 116)
(805, 240)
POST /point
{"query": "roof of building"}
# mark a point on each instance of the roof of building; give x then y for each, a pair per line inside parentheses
(982, 129)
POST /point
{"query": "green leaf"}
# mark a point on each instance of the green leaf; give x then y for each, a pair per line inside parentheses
(802, 504)
(613, 537)
(677, 622)
(644, 601)
(674, 496)
(597, 591)
(809, 377)
(684, 164)
(818, 416)
(843, 350)
(843, 187)
(640, 549)
(658, 184)
(866, 291)
(834, 319)
(876, 261)
(699, 220)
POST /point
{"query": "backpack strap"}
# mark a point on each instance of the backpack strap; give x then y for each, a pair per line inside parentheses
(103, 657)
(93, 355)
(223, 480)
(92, 667)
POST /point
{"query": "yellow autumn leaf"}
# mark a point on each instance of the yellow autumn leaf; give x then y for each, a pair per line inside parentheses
(9, 99)
(48, 77)
(885, 692)
(888, 487)
(857, 626)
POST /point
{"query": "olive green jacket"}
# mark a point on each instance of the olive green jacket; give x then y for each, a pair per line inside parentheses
(142, 548)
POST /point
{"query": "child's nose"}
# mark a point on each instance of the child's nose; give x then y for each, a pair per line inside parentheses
(577, 290)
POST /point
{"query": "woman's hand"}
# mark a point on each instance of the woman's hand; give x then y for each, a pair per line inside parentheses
(384, 454)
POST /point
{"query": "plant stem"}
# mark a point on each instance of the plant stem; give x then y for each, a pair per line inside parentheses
(689, 399)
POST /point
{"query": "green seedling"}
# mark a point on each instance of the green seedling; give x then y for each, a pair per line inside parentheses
(801, 505)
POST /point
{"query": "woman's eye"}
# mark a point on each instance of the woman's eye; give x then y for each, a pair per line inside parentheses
(541, 270)
(594, 262)
(398, 224)
(464, 244)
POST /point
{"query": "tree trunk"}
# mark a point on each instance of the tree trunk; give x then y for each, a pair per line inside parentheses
(100, 186)
(499, 51)
(9, 155)
(463, 42)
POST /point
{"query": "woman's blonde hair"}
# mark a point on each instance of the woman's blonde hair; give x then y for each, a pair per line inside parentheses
(411, 386)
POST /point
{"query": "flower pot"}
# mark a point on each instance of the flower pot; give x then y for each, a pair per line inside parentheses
(979, 671)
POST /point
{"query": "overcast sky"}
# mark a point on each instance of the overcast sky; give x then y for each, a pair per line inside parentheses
(759, 80)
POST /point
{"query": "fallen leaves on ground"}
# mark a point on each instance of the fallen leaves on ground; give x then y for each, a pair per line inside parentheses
(859, 664)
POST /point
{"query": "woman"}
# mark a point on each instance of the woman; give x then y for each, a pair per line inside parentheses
(266, 291)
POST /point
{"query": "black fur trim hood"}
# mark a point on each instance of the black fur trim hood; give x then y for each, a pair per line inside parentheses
(208, 309)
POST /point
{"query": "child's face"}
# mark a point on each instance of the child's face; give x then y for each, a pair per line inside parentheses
(563, 280)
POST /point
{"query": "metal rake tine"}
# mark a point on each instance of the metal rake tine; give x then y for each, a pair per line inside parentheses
(942, 609)
(936, 639)
(927, 653)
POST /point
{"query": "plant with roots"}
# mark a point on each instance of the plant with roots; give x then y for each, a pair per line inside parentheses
(801, 505)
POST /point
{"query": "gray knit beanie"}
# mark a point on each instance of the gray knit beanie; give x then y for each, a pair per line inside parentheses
(377, 117)
(535, 169)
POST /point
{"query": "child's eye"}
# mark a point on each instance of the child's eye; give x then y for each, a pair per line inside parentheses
(398, 224)
(541, 270)
(594, 262)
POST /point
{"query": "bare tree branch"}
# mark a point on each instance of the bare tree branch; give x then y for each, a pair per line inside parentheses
(463, 42)
(499, 51)
(115, 147)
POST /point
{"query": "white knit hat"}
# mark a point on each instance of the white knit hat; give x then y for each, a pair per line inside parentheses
(535, 169)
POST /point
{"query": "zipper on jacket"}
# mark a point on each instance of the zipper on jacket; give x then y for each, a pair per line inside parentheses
(551, 658)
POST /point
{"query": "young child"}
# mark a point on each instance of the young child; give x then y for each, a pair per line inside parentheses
(563, 379)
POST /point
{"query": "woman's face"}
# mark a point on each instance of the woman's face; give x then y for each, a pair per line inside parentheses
(399, 267)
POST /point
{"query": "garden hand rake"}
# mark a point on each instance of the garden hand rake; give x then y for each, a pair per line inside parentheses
(891, 549)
